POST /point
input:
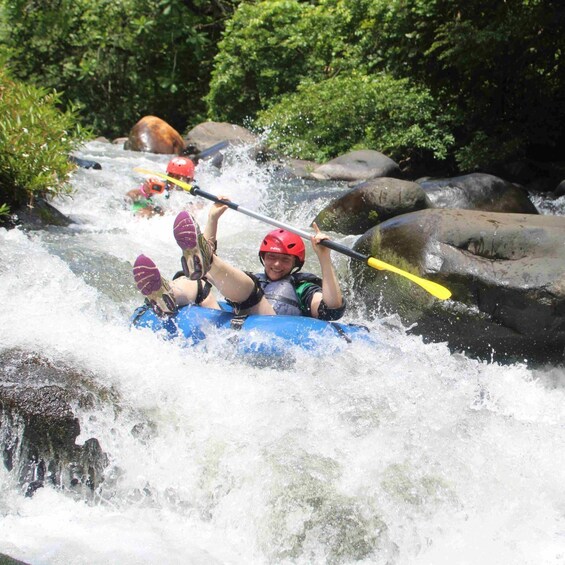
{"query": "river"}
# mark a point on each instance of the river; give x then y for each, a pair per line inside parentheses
(394, 452)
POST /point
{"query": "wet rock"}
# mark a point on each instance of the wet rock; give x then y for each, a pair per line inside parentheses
(85, 163)
(120, 141)
(39, 215)
(358, 166)
(505, 271)
(298, 168)
(209, 140)
(6, 560)
(478, 191)
(38, 428)
(208, 134)
(370, 203)
(153, 135)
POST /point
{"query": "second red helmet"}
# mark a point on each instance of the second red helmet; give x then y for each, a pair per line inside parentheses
(181, 166)
(282, 241)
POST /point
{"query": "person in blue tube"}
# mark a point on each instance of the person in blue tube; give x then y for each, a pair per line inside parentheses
(280, 289)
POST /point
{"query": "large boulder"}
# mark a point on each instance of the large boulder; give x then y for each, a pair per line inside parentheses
(370, 203)
(210, 139)
(38, 427)
(380, 199)
(207, 134)
(37, 216)
(357, 166)
(153, 135)
(506, 272)
(478, 191)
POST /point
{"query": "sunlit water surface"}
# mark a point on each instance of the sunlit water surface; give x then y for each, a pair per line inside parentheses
(392, 452)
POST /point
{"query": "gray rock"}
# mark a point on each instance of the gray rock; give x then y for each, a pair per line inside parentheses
(40, 215)
(207, 134)
(478, 191)
(296, 168)
(358, 166)
(371, 203)
(506, 272)
(38, 428)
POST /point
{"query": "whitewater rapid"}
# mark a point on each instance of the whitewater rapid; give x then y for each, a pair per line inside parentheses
(394, 452)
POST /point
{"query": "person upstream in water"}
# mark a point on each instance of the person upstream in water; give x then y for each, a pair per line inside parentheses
(141, 198)
(279, 289)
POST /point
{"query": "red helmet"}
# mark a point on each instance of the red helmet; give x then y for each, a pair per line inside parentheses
(282, 241)
(182, 166)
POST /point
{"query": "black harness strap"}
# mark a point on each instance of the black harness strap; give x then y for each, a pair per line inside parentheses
(237, 322)
(340, 331)
(139, 312)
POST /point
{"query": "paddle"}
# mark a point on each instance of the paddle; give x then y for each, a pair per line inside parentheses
(433, 288)
(210, 151)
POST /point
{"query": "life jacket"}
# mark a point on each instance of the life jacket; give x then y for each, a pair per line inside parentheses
(284, 295)
(143, 203)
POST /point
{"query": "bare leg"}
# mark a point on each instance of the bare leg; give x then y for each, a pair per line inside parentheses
(198, 259)
(163, 296)
(236, 286)
(185, 292)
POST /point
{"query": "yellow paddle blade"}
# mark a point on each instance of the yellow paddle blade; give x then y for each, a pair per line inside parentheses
(433, 288)
(178, 182)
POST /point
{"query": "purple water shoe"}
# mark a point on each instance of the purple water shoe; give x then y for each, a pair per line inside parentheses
(157, 291)
(197, 253)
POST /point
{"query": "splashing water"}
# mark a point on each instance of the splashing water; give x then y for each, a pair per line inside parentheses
(396, 452)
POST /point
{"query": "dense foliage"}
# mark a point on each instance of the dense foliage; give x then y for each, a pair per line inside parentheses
(118, 61)
(35, 141)
(498, 64)
(466, 82)
(355, 112)
(494, 68)
(268, 48)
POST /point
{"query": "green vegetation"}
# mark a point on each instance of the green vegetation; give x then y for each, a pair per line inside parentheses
(343, 113)
(462, 84)
(485, 77)
(116, 61)
(267, 50)
(35, 141)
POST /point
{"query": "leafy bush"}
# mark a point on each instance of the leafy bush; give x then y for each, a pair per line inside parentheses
(117, 61)
(343, 113)
(35, 141)
(268, 48)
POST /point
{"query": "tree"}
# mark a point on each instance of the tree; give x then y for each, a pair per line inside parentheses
(498, 65)
(494, 70)
(117, 61)
(267, 49)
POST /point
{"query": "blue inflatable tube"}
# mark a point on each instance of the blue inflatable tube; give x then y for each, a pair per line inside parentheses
(270, 336)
